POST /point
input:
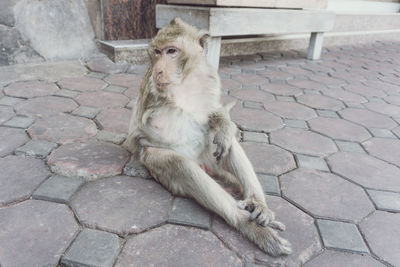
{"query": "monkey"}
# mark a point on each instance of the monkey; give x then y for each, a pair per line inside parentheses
(184, 136)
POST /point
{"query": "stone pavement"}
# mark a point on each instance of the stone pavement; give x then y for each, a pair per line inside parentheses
(323, 136)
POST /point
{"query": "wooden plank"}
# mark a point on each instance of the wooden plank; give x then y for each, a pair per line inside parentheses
(256, 3)
(249, 21)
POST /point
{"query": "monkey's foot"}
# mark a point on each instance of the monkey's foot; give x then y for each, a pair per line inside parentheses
(260, 213)
(266, 238)
(272, 243)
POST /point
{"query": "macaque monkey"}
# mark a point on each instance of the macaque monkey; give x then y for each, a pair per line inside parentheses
(184, 136)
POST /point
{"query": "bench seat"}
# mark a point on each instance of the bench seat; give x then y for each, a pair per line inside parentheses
(227, 21)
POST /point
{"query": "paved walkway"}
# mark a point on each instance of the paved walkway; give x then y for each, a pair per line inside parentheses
(323, 137)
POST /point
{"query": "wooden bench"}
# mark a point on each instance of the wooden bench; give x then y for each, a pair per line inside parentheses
(232, 21)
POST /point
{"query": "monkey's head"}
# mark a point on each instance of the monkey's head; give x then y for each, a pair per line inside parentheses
(174, 51)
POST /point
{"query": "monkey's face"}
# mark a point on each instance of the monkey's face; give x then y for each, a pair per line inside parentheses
(165, 72)
(174, 52)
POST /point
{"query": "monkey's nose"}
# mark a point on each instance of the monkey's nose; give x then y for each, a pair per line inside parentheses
(159, 73)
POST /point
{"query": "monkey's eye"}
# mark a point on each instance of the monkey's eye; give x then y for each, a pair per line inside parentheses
(173, 52)
(157, 52)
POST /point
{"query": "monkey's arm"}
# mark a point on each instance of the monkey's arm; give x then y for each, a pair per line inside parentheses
(225, 130)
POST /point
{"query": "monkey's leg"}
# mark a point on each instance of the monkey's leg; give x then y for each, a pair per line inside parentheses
(254, 201)
(185, 177)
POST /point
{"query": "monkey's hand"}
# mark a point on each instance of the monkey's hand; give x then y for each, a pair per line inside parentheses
(224, 143)
(260, 213)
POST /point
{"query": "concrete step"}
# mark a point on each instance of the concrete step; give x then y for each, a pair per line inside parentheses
(131, 51)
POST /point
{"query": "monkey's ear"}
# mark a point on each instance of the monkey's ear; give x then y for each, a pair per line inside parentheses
(202, 38)
(175, 21)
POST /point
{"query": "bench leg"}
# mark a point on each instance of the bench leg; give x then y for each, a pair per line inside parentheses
(315, 46)
(213, 50)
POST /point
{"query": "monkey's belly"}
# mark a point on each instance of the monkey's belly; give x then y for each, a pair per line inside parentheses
(185, 135)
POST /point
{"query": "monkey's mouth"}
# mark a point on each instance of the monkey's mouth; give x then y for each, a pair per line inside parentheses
(162, 86)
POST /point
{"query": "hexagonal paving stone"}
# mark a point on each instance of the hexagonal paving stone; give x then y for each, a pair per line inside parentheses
(35, 233)
(269, 184)
(31, 89)
(102, 100)
(290, 110)
(255, 137)
(383, 108)
(341, 236)
(367, 118)
(386, 149)
(67, 93)
(39, 149)
(343, 95)
(192, 247)
(104, 64)
(364, 90)
(46, 106)
(253, 104)
(381, 230)
(19, 177)
(253, 95)
(387, 201)
(323, 78)
(339, 129)
(366, 170)
(320, 102)
(281, 89)
(63, 129)
(392, 99)
(327, 113)
(338, 258)
(132, 92)
(229, 84)
(115, 119)
(396, 131)
(122, 204)
(326, 195)
(58, 189)
(115, 138)
(135, 168)
(349, 147)
(384, 133)
(6, 113)
(10, 101)
(92, 248)
(249, 79)
(86, 112)
(303, 141)
(255, 120)
(275, 75)
(123, 79)
(269, 159)
(315, 163)
(83, 84)
(89, 160)
(306, 84)
(186, 211)
(300, 231)
(10, 139)
(19, 122)
(347, 76)
(285, 98)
